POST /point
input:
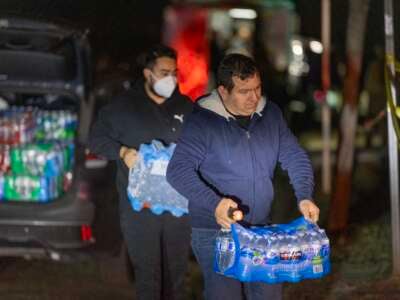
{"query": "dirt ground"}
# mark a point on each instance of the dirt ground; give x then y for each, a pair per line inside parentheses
(33, 280)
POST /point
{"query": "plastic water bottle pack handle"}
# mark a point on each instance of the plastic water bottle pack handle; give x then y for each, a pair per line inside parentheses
(235, 214)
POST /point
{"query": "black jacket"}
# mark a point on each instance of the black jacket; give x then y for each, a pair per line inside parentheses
(132, 119)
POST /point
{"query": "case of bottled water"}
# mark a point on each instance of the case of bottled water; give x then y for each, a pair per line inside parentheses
(148, 187)
(277, 253)
(36, 153)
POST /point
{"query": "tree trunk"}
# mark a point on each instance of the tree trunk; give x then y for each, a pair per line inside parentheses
(339, 210)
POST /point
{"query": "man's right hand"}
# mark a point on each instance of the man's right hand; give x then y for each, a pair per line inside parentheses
(222, 213)
(129, 156)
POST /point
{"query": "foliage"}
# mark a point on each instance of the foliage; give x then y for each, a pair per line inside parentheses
(366, 252)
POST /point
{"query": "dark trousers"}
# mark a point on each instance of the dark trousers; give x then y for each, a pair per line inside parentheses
(158, 247)
(219, 287)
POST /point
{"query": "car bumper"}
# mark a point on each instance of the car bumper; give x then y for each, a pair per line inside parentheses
(34, 229)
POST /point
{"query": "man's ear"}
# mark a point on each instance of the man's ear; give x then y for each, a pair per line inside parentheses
(223, 92)
(146, 73)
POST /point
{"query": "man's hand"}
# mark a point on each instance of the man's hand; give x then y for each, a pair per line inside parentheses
(128, 155)
(309, 210)
(223, 210)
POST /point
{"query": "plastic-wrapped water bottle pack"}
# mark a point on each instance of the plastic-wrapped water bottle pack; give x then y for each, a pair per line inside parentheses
(36, 153)
(148, 187)
(36, 172)
(277, 253)
(31, 188)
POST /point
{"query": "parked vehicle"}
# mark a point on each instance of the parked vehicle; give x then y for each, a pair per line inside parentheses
(45, 77)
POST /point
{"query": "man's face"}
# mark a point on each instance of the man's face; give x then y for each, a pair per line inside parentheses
(164, 66)
(244, 97)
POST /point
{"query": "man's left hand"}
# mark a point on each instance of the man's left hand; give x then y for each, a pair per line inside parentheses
(309, 210)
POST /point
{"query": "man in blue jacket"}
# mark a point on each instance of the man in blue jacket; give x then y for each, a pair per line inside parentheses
(225, 159)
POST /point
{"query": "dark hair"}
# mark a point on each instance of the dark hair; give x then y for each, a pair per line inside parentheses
(149, 57)
(238, 65)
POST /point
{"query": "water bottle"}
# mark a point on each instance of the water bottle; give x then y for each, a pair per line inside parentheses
(294, 256)
(157, 205)
(315, 243)
(282, 252)
(283, 247)
(225, 250)
(261, 244)
(307, 246)
(258, 250)
(272, 250)
(245, 239)
(1, 186)
(294, 247)
(325, 248)
(225, 243)
(301, 238)
(272, 255)
(4, 158)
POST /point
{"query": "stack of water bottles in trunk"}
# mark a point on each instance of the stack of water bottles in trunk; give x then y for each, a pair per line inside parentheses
(36, 153)
(277, 253)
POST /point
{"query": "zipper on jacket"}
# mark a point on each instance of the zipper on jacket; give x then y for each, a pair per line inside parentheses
(254, 181)
(254, 196)
(252, 169)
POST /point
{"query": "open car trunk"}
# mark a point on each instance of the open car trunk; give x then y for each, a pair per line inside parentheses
(45, 113)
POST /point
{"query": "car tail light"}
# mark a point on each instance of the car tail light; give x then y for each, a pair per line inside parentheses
(92, 161)
(87, 234)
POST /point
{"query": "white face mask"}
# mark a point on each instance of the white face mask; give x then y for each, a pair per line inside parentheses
(165, 86)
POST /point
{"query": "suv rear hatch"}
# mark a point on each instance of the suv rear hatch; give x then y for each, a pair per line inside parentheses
(44, 119)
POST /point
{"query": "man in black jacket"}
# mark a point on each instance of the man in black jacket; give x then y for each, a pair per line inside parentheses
(153, 109)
